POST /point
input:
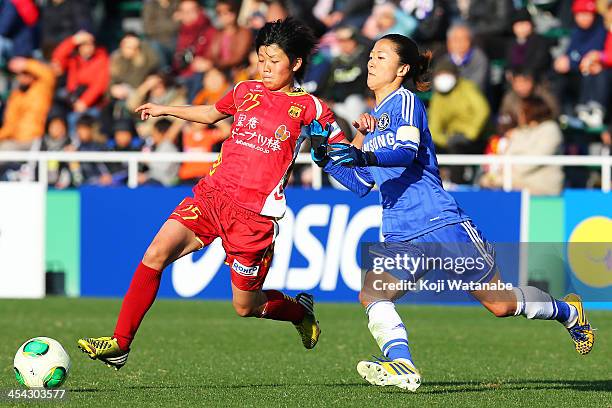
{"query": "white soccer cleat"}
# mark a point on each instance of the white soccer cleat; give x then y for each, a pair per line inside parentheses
(399, 373)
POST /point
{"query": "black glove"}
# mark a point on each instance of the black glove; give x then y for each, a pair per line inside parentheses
(349, 156)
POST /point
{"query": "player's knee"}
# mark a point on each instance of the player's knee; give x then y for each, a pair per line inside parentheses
(246, 310)
(500, 309)
(156, 256)
(363, 298)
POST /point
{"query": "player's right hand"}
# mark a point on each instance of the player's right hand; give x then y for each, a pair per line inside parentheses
(149, 110)
(319, 138)
(365, 124)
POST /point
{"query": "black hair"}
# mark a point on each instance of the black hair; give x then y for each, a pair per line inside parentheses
(408, 52)
(294, 38)
(162, 125)
(234, 5)
(86, 120)
(522, 71)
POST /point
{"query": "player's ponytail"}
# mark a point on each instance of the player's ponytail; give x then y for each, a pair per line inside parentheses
(408, 52)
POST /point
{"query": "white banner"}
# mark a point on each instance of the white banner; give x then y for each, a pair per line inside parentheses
(22, 240)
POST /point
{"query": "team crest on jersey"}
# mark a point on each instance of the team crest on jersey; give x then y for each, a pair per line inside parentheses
(294, 112)
(383, 122)
(282, 133)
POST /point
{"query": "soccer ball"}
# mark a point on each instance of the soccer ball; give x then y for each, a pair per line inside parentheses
(41, 362)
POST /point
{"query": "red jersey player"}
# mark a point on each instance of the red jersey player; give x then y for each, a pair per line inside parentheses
(243, 196)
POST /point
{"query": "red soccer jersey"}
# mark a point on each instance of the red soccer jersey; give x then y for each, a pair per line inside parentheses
(255, 160)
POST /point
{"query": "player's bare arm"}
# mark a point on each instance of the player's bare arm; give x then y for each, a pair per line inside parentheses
(366, 123)
(206, 114)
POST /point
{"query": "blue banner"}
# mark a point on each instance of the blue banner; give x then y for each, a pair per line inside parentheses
(317, 249)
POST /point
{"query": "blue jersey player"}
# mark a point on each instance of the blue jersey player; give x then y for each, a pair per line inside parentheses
(394, 150)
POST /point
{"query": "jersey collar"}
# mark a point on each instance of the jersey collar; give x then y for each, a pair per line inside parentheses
(388, 97)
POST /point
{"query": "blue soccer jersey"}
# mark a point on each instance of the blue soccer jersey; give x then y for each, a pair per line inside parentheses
(413, 199)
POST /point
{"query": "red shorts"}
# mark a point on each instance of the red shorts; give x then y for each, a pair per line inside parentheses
(247, 237)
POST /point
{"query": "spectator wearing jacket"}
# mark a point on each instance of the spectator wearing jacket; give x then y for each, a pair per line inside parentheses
(60, 19)
(458, 113)
(345, 82)
(528, 50)
(470, 60)
(86, 67)
(588, 93)
(18, 19)
(537, 134)
(160, 27)
(524, 84)
(28, 104)
(194, 38)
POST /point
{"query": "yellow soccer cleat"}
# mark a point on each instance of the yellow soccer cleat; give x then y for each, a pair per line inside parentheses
(383, 372)
(308, 328)
(105, 349)
(581, 332)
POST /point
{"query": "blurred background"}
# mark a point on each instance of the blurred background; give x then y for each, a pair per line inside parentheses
(509, 78)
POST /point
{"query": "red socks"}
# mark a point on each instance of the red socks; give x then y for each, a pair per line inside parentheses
(282, 307)
(143, 290)
(137, 301)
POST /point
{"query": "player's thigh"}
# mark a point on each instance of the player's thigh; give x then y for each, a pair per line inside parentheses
(172, 241)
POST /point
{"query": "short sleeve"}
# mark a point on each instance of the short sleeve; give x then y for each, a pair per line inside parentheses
(226, 104)
(324, 115)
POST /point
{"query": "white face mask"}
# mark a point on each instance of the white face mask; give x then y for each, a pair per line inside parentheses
(444, 83)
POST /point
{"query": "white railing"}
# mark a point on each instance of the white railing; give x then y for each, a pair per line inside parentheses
(134, 158)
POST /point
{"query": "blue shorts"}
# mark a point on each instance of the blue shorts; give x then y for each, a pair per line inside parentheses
(456, 251)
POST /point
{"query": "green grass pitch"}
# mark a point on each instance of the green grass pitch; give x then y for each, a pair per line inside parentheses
(196, 353)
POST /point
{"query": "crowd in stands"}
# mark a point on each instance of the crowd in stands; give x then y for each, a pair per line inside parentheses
(509, 77)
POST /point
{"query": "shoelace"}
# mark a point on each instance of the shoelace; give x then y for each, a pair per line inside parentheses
(100, 344)
(578, 332)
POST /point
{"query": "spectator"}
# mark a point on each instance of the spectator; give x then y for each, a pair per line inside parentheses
(523, 84)
(345, 82)
(537, 134)
(60, 19)
(528, 49)
(194, 37)
(597, 60)
(160, 26)
(470, 60)
(348, 12)
(160, 89)
(433, 19)
(27, 105)
(56, 140)
(204, 138)
(130, 65)
(123, 141)
(590, 92)
(88, 140)
(458, 113)
(387, 18)
(18, 19)
(87, 74)
(215, 86)
(489, 21)
(231, 44)
(250, 71)
(160, 173)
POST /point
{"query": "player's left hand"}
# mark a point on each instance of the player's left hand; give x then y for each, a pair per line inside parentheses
(319, 138)
(349, 156)
(365, 124)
